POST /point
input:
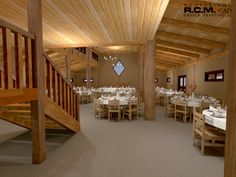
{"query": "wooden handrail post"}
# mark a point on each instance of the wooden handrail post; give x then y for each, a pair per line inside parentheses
(68, 63)
(230, 145)
(37, 107)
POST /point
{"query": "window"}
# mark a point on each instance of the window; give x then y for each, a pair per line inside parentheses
(81, 49)
(212, 76)
(94, 56)
(85, 80)
(118, 68)
(182, 82)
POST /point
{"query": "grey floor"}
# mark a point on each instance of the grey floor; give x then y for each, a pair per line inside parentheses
(139, 148)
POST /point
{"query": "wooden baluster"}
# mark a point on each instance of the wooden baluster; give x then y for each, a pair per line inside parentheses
(19, 60)
(1, 79)
(74, 105)
(63, 94)
(77, 108)
(59, 89)
(48, 79)
(70, 105)
(53, 83)
(56, 88)
(7, 58)
(65, 97)
(71, 101)
(28, 63)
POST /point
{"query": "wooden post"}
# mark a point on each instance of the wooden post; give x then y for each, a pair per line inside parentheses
(149, 80)
(142, 55)
(88, 69)
(68, 62)
(37, 107)
(230, 145)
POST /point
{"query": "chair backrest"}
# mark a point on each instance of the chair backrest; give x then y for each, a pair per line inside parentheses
(181, 105)
(114, 105)
(133, 103)
(198, 121)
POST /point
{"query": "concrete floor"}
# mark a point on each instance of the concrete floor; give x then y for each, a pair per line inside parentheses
(139, 148)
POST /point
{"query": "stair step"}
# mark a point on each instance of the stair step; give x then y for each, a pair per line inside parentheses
(23, 106)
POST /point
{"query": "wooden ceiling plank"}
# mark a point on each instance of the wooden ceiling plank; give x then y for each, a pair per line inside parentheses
(181, 37)
(182, 46)
(196, 26)
(172, 57)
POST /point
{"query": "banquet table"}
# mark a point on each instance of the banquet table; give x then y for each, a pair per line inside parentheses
(214, 121)
(124, 101)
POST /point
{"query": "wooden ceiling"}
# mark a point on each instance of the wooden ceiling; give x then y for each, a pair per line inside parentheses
(112, 26)
(68, 23)
(181, 40)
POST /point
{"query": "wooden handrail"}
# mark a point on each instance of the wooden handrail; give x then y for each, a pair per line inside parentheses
(55, 67)
(16, 29)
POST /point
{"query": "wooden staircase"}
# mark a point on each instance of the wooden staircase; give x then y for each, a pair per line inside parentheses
(20, 114)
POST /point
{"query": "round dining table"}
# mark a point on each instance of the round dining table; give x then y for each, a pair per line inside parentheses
(216, 121)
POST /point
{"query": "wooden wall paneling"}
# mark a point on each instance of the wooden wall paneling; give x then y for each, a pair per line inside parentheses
(7, 58)
(37, 107)
(19, 60)
(149, 80)
(230, 145)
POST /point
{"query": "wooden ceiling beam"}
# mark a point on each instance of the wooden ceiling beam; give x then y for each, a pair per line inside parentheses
(180, 46)
(174, 62)
(172, 57)
(196, 40)
(163, 68)
(195, 26)
(166, 64)
(123, 43)
(177, 52)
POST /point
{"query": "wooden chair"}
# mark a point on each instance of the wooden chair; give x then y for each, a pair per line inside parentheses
(170, 108)
(208, 135)
(114, 107)
(140, 107)
(100, 111)
(132, 109)
(182, 111)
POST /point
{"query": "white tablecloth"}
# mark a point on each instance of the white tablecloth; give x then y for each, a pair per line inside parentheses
(214, 121)
(123, 100)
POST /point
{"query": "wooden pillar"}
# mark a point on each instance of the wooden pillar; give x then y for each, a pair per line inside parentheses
(141, 57)
(88, 69)
(68, 63)
(149, 80)
(37, 107)
(230, 145)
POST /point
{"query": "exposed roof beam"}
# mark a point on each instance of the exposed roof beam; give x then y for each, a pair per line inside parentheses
(172, 57)
(166, 64)
(177, 52)
(162, 68)
(171, 61)
(97, 44)
(182, 46)
(192, 39)
(196, 26)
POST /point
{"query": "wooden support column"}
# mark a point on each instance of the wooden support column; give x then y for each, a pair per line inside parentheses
(149, 80)
(141, 65)
(68, 62)
(230, 145)
(88, 69)
(37, 107)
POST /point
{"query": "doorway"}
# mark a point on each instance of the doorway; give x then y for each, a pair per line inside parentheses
(182, 82)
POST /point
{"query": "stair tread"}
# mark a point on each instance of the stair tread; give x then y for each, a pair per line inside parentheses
(20, 111)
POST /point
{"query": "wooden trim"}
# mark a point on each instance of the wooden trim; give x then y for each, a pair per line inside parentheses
(13, 28)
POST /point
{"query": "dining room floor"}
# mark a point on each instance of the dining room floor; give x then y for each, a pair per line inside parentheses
(138, 148)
